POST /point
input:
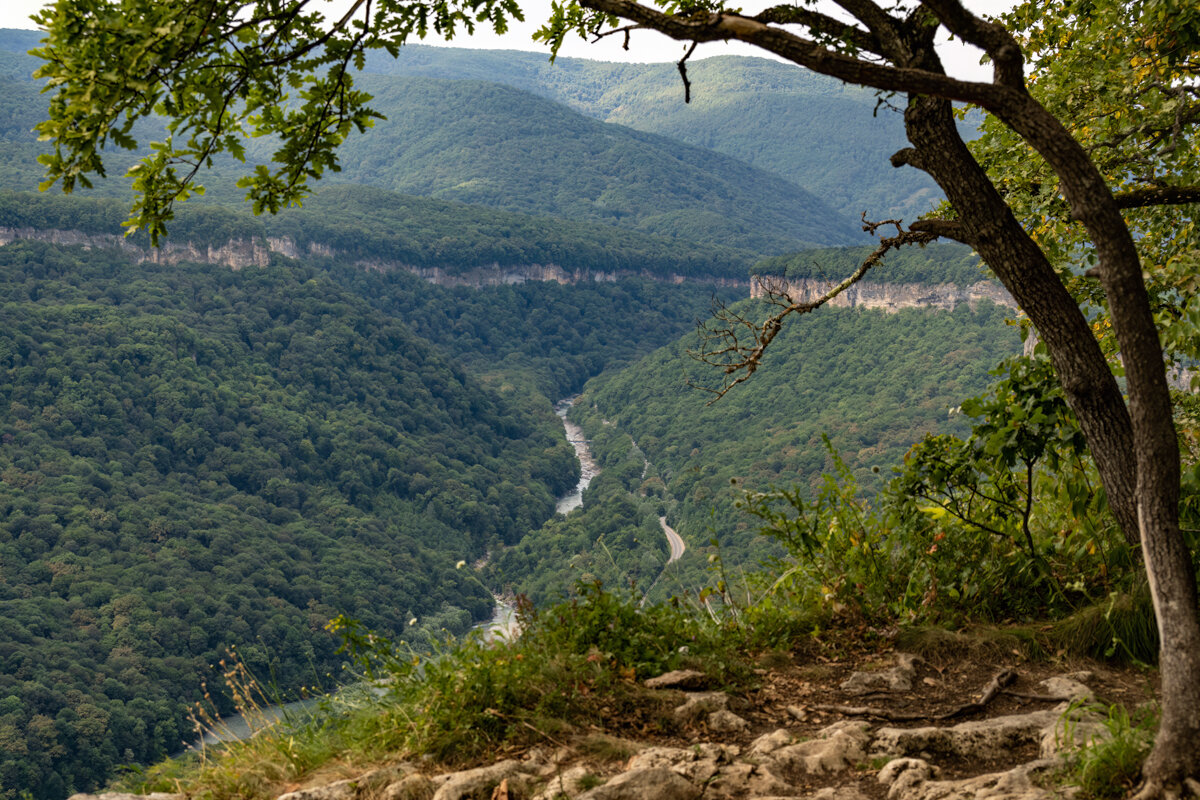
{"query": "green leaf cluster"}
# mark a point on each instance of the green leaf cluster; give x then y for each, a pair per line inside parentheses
(219, 73)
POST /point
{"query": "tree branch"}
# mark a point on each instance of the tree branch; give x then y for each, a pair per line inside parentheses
(1158, 196)
(822, 25)
(807, 53)
(993, 39)
(723, 339)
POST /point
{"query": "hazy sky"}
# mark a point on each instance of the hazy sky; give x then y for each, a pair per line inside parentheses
(645, 46)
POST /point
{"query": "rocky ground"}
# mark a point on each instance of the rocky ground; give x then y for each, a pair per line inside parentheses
(875, 726)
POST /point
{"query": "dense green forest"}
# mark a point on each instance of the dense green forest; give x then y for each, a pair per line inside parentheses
(874, 383)
(487, 144)
(829, 138)
(193, 458)
(550, 336)
(932, 264)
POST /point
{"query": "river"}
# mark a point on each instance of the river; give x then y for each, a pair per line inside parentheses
(587, 464)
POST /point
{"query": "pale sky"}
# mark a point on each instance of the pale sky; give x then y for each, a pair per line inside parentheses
(962, 61)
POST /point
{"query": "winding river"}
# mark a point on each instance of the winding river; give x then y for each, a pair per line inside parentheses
(587, 464)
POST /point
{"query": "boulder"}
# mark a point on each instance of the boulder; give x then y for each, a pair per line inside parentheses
(770, 742)
(725, 721)
(837, 747)
(568, 784)
(971, 740)
(699, 705)
(747, 780)
(679, 679)
(411, 787)
(896, 679)
(655, 783)
(474, 784)
(1015, 784)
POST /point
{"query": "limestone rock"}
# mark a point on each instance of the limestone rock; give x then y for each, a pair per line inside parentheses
(679, 679)
(127, 796)
(411, 787)
(366, 785)
(699, 705)
(746, 780)
(839, 793)
(1015, 784)
(655, 783)
(724, 721)
(661, 757)
(1073, 729)
(475, 784)
(770, 742)
(896, 679)
(567, 784)
(700, 764)
(975, 739)
(904, 775)
(1068, 689)
(837, 747)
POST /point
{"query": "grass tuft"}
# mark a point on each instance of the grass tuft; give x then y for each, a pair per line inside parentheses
(1121, 628)
(1110, 766)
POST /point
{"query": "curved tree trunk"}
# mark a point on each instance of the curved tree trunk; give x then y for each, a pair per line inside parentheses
(1135, 448)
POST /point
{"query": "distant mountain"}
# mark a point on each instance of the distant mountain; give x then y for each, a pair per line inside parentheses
(832, 139)
(487, 144)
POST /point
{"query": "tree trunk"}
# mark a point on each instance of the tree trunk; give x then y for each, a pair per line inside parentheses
(1135, 448)
(1089, 385)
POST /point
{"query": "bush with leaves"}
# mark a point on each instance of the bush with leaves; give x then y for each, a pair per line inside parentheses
(1008, 523)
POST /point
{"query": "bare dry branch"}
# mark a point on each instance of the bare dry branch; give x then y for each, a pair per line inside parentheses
(736, 345)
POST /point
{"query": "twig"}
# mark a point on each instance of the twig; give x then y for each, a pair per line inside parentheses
(687, 85)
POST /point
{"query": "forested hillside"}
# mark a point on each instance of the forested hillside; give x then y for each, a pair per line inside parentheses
(873, 383)
(829, 138)
(390, 231)
(487, 144)
(194, 458)
(483, 143)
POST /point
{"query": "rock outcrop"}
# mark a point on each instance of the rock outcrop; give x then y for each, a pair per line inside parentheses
(890, 297)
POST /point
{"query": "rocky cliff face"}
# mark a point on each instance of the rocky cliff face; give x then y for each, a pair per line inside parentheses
(240, 253)
(236, 253)
(890, 297)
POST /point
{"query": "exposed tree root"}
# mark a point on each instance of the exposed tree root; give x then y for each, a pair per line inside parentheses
(994, 688)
